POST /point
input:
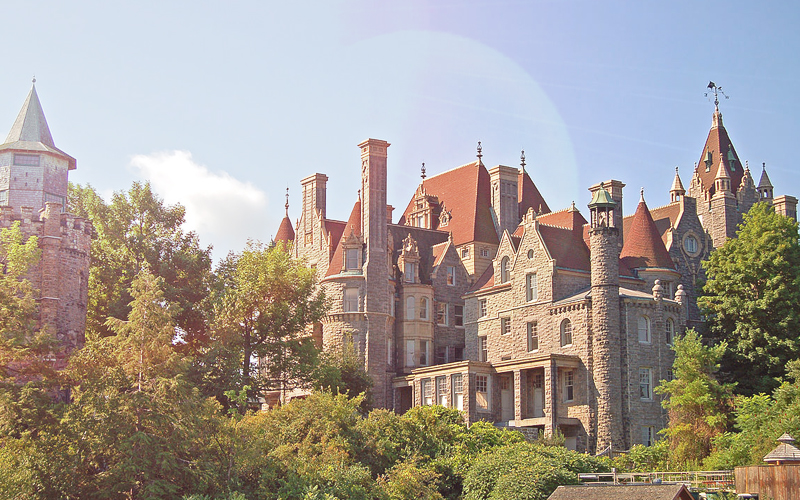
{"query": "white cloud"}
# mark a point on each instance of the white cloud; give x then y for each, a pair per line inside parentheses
(223, 210)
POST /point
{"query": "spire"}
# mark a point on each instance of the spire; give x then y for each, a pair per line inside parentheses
(522, 162)
(643, 245)
(764, 181)
(722, 170)
(641, 195)
(31, 125)
(287, 201)
(422, 171)
(677, 190)
(480, 154)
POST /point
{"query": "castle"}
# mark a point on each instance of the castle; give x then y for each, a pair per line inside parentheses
(481, 298)
(33, 191)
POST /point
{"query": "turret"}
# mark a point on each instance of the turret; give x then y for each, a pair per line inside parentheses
(605, 239)
(764, 185)
(677, 191)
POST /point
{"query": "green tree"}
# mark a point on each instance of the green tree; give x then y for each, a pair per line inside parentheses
(136, 229)
(697, 403)
(264, 311)
(341, 371)
(752, 299)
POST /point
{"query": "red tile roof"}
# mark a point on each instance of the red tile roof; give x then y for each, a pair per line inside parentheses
(663, 217)
(567, 218)
(486, 280)
(353, 226)
(566, 246)
(285, 232)
(466, 193)
(643, 245)
(528, 196)
(335, 229)
(716, 143)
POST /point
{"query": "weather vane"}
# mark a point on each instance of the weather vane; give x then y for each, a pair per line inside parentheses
(713, 89)
(522, 160)
(287, 201)
(480, 154)
(423, 171)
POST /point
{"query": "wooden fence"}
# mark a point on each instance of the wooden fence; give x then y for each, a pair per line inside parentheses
(773, 482)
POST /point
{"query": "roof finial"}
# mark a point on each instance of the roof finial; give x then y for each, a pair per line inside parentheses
(480, 155)
(522, 161)
(763, 165)
(287, 201)
(34, 80)
(676, 169)
(423, 171)
(641, 195)
(716, 91)
(359, 195)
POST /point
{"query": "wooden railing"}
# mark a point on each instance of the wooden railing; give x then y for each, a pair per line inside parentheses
(718, 480)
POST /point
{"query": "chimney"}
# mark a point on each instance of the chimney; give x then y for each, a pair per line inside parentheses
(505, 205)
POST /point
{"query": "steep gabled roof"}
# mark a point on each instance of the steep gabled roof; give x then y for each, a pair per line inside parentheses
(353, 226)
(466, 193)
(566, 246)
(30, 131)
(569, 218)
(643, 245)
(485, 281)
(716, 143)
(528, 196)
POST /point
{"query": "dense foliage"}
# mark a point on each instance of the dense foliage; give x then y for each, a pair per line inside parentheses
(752, 299)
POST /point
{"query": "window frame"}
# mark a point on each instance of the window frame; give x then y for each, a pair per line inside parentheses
(533, 336)
(531, 288)
(669, 331)
(483, 348)
(458, 316)
(505, 325)
(350, 303)
(645, 384)
(457, 388)
(442, 314)
(504, 271)
(569, 386)
(644, 329)
(411, 308)
(483, 308)
(351, 259)
(483, 381)
(423, 308)
(451, 275)
(566, 334)
(426, 390)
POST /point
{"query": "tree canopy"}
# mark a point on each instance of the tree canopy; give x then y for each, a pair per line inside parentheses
(752, 299)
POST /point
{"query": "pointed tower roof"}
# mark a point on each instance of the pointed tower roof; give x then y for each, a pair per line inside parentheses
(285, 232)
(30, 131)
(643, 245)
(719, 145)
(722, 170)
(764, 182)
(677, 185)
(529, 196)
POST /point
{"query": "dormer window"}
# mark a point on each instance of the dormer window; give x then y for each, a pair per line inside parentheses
(410, 272)
(708, 161)
(351, 261)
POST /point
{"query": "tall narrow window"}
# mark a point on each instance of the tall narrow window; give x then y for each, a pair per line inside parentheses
(390, 351)
(670, 328)
(505, 326)
(465, 252)
(482, 308)
(644, 329)
(459, 316)
(423, 308)
(451, 275)
(424, 352)
(531, 292)
(442, 313)
(441, 391)
(569, 385)
(504, 262)
(645, 383)
(410, 308)
(410, 353)
(352, 259)
(427, 392)
(648, 435)
(350, 300)
(482, 392)
(533, 336)
(410, 271)
(458, 391)
(483, 351)
(566, 332)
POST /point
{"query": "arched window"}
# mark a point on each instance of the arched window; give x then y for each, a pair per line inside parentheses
(423, 308)
(504, 270)
(566, 332)
(644, 329)
(670, 327)
(410, 308)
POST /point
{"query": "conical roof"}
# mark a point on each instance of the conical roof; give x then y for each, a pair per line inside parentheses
(285, 232)
(718, 144)
(353, 227)
(30, 131)
(784, 452)
(677, 185)
(764, 182)
(722, 171)
(643, 244)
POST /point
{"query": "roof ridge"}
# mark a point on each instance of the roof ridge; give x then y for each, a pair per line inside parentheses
(450, 170)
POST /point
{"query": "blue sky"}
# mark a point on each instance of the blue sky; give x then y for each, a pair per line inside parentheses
(224, 105)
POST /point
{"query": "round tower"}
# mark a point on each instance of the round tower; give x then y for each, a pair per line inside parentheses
(604, 238)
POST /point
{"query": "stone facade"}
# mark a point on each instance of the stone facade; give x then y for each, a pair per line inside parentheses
(33, 191)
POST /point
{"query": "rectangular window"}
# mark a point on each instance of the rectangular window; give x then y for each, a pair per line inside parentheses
(482, 392)
(483, 309)
(483, 351)
(459, 315)
(427, 392)
(484, 252)
(309, 238)
(350, 301)
(465, 253)
(441, 391)
(531, 292)
(670, 375)
(533, 336)
(458, 391)
(424, 352)
(569, 386)
(352, 259)
(458, 354)
(410, 271)
(451, 275)
(410, 353)
(505, 326)
(645, 383)
(390, 351)
(442, 313)
(4, 197)
(26, 160)
(648, 435)
(644, 329)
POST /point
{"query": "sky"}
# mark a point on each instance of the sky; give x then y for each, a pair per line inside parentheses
(223, 105)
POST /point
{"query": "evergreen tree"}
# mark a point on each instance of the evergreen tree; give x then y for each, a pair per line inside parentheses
(752, 299)
(697, 403)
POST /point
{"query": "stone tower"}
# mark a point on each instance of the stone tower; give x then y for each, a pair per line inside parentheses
(33, 192)
(504, 198)
(723, 207)
(605, 238)
(378, 292)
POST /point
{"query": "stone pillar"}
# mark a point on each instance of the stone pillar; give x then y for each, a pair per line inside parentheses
(376, 275)
(520, 399)
(505, 205)
(551, 398)
(50, 244)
